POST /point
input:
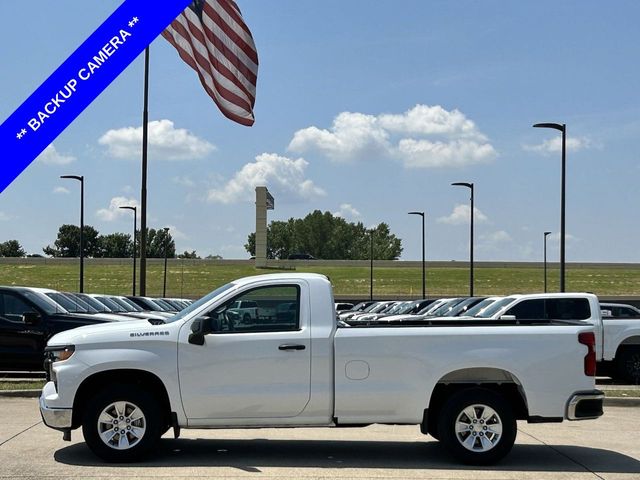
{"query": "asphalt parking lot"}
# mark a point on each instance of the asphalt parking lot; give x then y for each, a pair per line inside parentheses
(607, 448)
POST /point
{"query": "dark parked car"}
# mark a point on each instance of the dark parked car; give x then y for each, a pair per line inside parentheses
(301, 256)
(27, 321)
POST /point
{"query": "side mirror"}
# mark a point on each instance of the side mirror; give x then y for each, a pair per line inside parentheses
(196, 337)
(31, 318)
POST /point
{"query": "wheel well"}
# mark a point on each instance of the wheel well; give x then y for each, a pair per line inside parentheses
(499, 381)
(629, 342)
(101, 380)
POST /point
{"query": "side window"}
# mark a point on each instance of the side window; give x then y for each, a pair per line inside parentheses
(527, 310)
(567, 309)
(624, 312)
(12, 307)
(263, 309)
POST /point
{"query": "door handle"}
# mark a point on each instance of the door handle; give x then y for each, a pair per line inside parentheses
(288, 346)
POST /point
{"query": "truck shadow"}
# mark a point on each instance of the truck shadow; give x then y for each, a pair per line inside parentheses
(251, 455)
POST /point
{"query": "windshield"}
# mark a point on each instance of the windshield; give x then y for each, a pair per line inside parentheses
(93, 302)
(462, 307)
(495, 307)
(445, 307)
(371, 307)
(379, 308)
(404, 308)
(127, 304)
(432, 306)
(111, 304)
(80, 301)
(163, 305)
(46, 304)
(198, 303)
(69, 305)
(477, 308)
(358, 307)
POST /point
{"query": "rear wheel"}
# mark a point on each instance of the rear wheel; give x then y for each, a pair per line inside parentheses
(477, 426)
(628, 364)
(122, 424)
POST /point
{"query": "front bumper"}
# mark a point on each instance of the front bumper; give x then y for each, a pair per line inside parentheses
(58, 418)
(585, 405)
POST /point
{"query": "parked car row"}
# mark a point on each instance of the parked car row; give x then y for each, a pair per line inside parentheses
(29, 316)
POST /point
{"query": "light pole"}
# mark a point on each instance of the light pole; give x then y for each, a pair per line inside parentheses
(562, 128)
(371, 266)
(470, 187)
(166, 247)
(135, 222)
(424, 282)
(80, 178)
(546, 234)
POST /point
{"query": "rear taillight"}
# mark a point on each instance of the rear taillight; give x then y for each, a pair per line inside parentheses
(589, 339)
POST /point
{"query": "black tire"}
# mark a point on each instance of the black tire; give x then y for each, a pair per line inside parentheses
(152, 424)
(479, 450)
(628, 365)
(433, 431)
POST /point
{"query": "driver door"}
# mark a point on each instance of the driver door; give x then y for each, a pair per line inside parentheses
(249, 370)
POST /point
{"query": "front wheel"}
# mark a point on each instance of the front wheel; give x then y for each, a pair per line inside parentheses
(122, 424)
(477, 426)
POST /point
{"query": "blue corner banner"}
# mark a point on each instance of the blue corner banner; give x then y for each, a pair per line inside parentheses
(79, 80)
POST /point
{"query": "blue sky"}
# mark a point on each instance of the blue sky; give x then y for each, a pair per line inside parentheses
(369, 109)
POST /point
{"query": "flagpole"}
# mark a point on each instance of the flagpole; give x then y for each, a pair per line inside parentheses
(143, 191)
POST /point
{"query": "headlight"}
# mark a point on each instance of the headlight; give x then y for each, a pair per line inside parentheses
(56, 354)
(59, 354)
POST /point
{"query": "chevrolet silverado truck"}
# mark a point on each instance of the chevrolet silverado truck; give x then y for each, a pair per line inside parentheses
(127, 383)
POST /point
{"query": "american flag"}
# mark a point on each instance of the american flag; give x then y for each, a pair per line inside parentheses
(212, 38)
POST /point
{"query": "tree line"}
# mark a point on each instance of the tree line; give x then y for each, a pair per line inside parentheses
(320, 234)
(112, 245)
(328, 236)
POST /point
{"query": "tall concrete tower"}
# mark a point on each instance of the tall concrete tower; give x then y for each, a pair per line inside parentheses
(264, 202)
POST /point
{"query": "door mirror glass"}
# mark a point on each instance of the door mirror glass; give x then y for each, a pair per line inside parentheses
(196, 337)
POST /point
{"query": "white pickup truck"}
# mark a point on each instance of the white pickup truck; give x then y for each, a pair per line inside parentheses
(127, 383)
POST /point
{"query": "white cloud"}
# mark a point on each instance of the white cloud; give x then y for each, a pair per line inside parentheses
(461, 215)
(184, 181)
(499, 236)
(426, 120)
(454, 153)
(282, 175)
(114, 211)
(454, 140)
(61, 190)
(553, 145)
(165, 142)
(352, 135)
(177, 234)
(347, 211)
(50, 156)
(555, 237)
